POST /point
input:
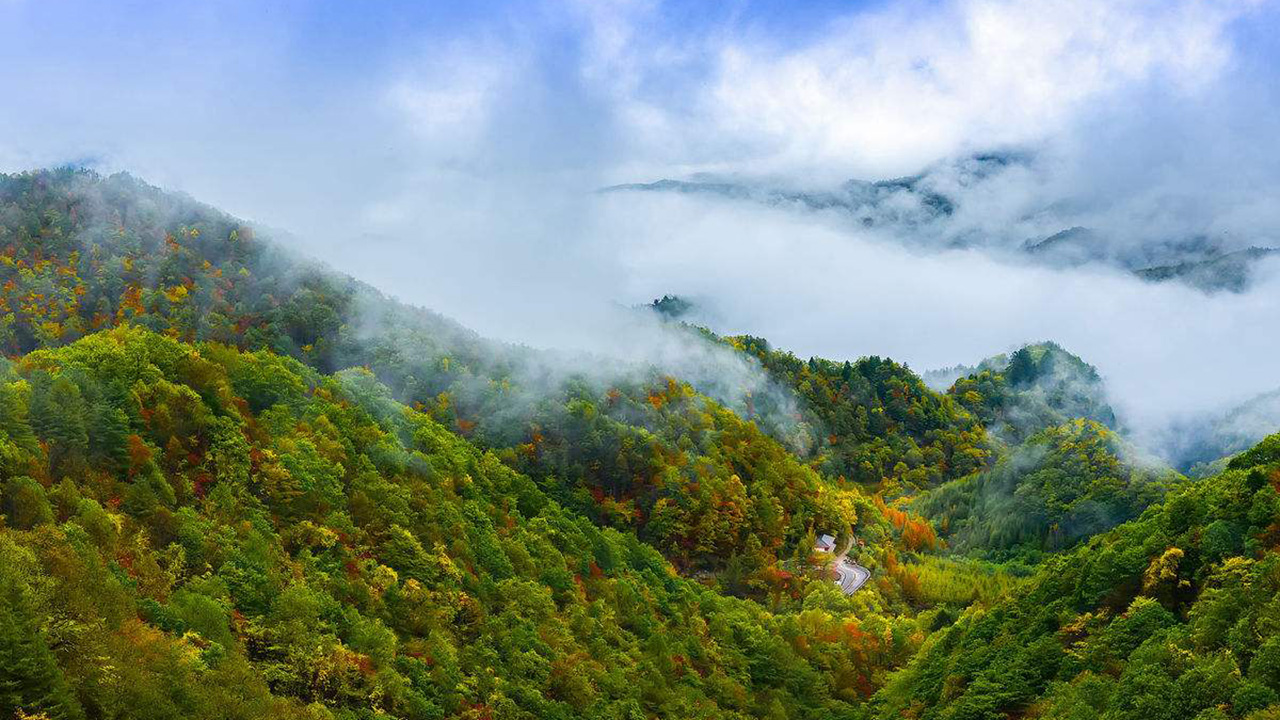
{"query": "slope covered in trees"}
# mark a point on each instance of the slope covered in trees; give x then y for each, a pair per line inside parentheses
(1063, 473)
(1036, 387)
(691, 477)
(1173, 615)
(1064, 484)
(877, 420)
(193, 531)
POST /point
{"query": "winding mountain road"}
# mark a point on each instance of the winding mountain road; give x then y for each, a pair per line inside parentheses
(849, 575)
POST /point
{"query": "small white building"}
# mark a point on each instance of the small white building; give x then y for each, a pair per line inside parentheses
(826, 543)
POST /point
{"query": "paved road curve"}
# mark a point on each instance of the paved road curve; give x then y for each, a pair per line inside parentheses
(850, 575)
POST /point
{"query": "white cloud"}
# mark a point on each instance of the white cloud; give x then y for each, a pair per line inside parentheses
(447, 94)
(887, 92)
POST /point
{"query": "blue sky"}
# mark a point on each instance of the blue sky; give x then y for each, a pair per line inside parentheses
(449, 152)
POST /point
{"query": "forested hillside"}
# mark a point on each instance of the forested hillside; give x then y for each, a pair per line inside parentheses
(235, 483)
(1174, 615)
(199, 532)
(879, 420)
(1036, 387)
(1064, 484)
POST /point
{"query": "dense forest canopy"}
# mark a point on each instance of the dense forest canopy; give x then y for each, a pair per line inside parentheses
(880, 420)
(1174, 615)
(1065, 483)
(1035, 387)
(236, 483)
(196, 531)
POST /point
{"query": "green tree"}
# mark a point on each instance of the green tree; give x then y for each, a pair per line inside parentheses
(25, 503)
(58, 416)
(30, 679)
